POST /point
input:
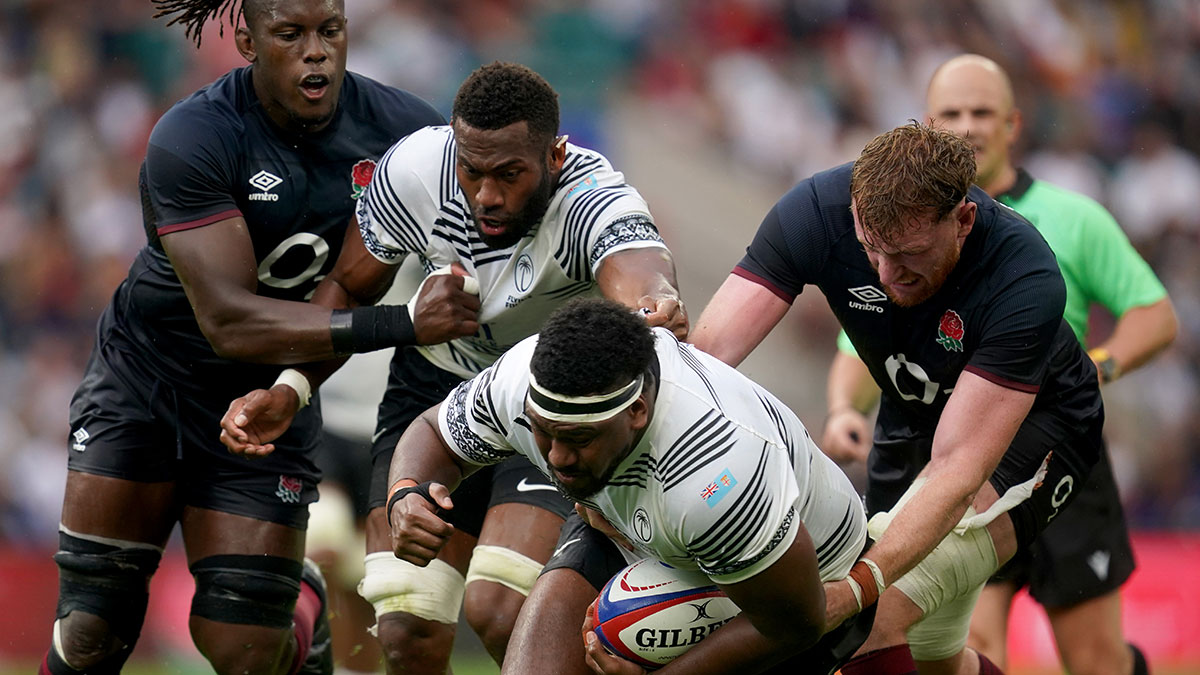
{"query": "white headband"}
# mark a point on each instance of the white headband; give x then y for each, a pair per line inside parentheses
(581, 409)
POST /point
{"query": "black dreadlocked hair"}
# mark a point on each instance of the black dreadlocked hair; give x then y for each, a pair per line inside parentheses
(500, 94)
(193, 14)
(591, 346)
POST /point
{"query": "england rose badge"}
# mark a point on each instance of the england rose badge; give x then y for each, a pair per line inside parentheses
(361, 176)
(950, 331)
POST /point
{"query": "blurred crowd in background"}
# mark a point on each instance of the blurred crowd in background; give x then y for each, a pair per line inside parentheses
(1109, 91)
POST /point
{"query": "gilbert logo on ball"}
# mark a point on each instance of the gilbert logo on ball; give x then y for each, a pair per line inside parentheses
(650, 612)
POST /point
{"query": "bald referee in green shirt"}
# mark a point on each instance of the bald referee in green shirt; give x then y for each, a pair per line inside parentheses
(1078, 564)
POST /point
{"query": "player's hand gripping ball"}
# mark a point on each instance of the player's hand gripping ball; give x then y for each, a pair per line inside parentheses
(650, 612)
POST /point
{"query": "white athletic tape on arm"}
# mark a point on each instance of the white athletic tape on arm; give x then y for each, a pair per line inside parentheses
(470, 285)
(504, 566)
(434, 592)
(298, 382)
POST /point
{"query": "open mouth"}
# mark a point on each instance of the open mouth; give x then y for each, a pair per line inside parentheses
(313, 87)
(492, 226)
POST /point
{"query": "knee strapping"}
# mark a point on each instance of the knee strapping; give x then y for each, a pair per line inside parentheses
(108, 578)
(434, 592)
(945, 585)
(504, 566)
(258, 590)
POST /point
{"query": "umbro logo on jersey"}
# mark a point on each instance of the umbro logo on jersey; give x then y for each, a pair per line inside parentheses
(868, 296)
(80, 435)
(265, 181)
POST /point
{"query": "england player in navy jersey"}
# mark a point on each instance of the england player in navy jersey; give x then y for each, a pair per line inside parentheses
(990, 417)
(247, 188)
(1077, 565)
(529, 220)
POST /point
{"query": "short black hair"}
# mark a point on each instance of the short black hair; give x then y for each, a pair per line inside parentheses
(591, 346)
(193, 14)
(500, 94)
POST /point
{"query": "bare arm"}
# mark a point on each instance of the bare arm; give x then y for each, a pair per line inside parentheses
(737, 319)
(645, 278)
(218, 271)
(782, 614)
(1141, 333)
(357, 278)
(422, 455)
(978, 424)
(851, 393)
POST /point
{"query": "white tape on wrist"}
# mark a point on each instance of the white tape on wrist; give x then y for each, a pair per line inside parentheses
(299, 384)
(876, 573)
(857, 590)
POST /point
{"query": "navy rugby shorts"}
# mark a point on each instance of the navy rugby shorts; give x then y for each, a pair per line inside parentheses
(1084, 554)
(127, 423)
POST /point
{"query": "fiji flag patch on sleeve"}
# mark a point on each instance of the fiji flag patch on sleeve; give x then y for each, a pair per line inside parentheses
(715, 491)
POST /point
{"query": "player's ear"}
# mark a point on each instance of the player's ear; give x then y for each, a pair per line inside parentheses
(558, 153)
(245, 44)
(964, 216)
(639, 413)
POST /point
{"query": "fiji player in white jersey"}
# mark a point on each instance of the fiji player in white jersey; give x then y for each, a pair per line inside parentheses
(524, 221)
(415, 207)
(637, 426)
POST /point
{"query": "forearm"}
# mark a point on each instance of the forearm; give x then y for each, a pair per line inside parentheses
(1140, 334)
(975, 430)
(266, 330)
(850, 385)
(628, 276)
(921, 524)
(739, 647)
(738, 317)
(422, 455)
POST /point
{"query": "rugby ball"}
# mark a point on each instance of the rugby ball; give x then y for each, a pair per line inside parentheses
(650, 613)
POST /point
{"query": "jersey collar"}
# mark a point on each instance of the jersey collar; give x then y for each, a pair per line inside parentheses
(1019, 188)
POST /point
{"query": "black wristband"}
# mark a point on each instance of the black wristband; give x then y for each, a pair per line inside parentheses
(421, 489)
(365, 329)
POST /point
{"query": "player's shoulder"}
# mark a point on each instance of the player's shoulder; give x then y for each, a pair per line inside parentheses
(213, 114)
(396, 110)
(588, 176)
(823, 190)
(420, 165)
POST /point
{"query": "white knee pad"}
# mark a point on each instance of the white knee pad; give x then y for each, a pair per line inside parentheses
(504, 566)
(434, 592)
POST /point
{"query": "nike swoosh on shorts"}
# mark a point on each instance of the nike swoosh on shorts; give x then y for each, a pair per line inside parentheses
(562, 548)
(526, 486)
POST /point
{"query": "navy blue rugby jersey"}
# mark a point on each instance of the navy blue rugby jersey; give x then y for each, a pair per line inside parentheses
(998, 315)
(216, 155)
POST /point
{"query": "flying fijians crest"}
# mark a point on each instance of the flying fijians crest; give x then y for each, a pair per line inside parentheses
(950, 331)
(361, 176)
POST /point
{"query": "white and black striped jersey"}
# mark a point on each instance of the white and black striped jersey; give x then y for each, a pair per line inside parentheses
(414, 206)
(718, 482)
